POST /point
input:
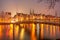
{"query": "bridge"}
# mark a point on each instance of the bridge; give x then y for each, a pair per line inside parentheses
(31, 21)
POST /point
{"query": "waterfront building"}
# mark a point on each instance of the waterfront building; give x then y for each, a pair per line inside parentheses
(5, 16)
(44, 30)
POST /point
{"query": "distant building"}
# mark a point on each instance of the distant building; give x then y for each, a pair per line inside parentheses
(32, 17)
(5, 16)
(8, 17)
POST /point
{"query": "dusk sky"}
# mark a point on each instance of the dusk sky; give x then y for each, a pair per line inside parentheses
(24, 6)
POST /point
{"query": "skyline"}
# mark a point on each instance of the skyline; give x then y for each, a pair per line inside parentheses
(29, 19)
(24, 6)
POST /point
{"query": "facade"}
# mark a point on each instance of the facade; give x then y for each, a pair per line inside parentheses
(33, 17)
(5, 17)
(45, 30)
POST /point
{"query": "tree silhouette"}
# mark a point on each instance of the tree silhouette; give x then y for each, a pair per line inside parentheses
(52, 3)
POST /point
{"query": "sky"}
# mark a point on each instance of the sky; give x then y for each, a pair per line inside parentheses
(24, 6)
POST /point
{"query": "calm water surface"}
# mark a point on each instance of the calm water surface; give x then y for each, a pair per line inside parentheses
(28, 32)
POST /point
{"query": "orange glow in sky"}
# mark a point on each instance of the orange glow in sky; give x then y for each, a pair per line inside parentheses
(24, 6)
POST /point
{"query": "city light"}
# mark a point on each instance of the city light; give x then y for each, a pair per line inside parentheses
(12, 21)
(29, 20)
(22, 34)
(16, 27)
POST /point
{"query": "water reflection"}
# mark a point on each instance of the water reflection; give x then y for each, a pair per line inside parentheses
(16, 30)
(33, 36)
(22, 34)
(54, 31)
(42, 30)
(11, 31)
(51, 30)
(0, 31)
(47, 32)
(29, 31)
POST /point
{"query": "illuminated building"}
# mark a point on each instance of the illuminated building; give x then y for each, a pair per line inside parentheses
(39, 17)
(5, 16)
(32, 27)
(34, 16)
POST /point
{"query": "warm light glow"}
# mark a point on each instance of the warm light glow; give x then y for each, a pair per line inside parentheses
(41, 17)
(42, 31)
(0, 20)
(33, 37)
(54, 31)
(58, 29)
(11, 31)
(16, 30)
(21, 25)
(22, 34)
(33, 17)
(22, 18)
(27, 18)
(11, 26)
(16, 20)
(47, 29)
(12, 21)
(33, 29)
(51, 31)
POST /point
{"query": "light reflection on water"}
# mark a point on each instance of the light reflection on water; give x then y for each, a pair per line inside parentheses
(33, 37)
(11, 31)
(22, 34)
(48, 31)
(54, 31)
(16, 30)
(6, 32)
(42, 31)
(0, 31)
(51, 31)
